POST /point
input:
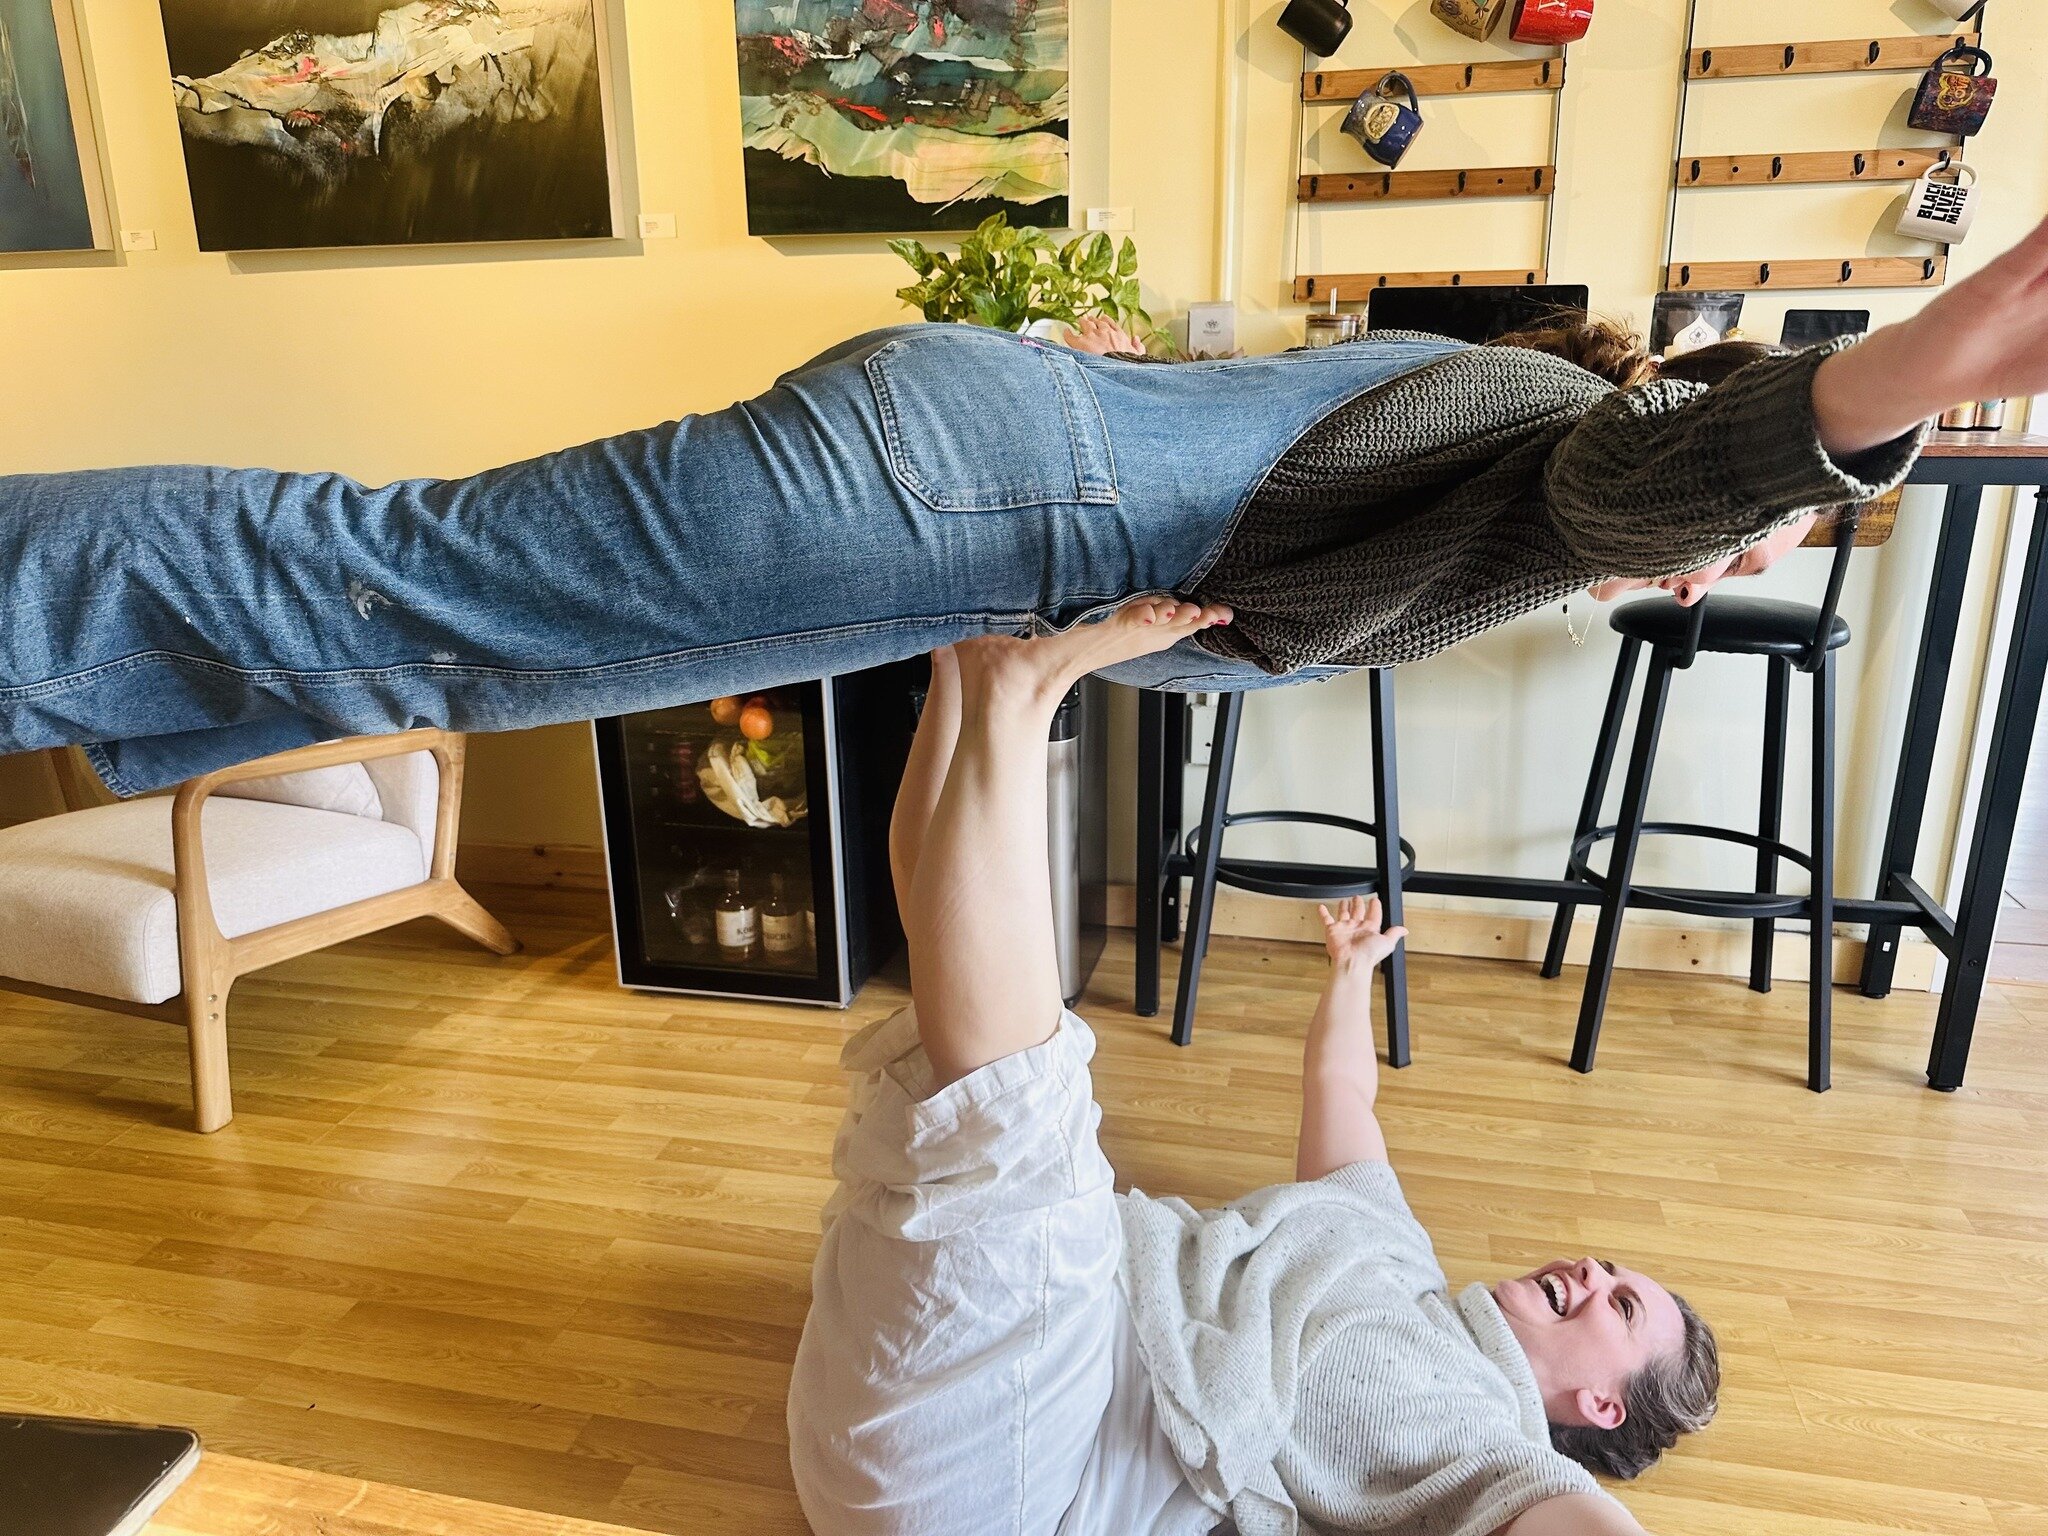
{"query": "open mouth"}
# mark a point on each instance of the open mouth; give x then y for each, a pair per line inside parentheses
(1554, 1292)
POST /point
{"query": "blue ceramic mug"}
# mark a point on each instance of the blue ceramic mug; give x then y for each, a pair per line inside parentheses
(1379, 121)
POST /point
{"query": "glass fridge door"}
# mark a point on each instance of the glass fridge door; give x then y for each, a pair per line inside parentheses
(720, 823)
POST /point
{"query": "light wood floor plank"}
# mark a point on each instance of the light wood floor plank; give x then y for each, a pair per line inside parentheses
(496, 1229)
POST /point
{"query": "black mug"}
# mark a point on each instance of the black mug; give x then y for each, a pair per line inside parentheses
(1320, 26)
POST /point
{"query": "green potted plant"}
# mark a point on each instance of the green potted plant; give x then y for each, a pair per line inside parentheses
(1013, 279)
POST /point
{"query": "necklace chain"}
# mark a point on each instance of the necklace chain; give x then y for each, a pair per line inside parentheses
(1578, 635)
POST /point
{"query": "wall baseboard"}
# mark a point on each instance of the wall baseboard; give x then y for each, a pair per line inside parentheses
(1646, 943)
(558, 866)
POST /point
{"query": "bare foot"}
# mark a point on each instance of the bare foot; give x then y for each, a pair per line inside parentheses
(1039, 671)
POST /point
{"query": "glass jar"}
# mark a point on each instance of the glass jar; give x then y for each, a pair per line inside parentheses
(1327, 327)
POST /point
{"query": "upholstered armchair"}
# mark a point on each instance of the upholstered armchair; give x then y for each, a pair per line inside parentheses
(156, 906)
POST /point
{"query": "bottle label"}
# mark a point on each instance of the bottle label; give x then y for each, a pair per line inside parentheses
(781, 935)
(736, 929)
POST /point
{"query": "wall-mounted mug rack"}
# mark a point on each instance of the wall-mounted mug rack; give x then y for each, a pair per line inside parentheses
(1756, 61)
(1340, 87)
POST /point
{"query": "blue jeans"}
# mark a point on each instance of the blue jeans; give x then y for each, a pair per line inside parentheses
(913, 487)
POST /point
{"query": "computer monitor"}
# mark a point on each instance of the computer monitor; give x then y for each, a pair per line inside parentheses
(1806, 327)
(1477, 314)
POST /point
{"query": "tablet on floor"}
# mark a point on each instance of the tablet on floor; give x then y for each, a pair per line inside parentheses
(76, 1477)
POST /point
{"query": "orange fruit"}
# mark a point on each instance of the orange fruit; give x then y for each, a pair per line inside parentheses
(756, 722)
(725, 710)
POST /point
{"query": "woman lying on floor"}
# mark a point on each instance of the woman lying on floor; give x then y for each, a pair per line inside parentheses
(1362, 505)
(998, 1343)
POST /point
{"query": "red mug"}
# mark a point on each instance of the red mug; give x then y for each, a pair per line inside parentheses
(1551, 21)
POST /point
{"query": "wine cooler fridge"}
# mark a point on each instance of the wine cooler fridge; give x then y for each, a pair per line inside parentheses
(747, 838)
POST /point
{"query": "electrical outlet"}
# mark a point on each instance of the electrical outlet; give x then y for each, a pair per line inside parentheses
(1112, 220)
(657, 226)
(138, 239)
(1201, 728)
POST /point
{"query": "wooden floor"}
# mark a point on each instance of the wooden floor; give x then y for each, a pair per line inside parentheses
(497, 1229)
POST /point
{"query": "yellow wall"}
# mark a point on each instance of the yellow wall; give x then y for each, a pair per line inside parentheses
(426, 362)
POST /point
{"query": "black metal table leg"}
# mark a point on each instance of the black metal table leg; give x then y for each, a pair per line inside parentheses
(1151, 870)
(1635, 796)
(1386, 815)
(1923, 724)
(2005, 774)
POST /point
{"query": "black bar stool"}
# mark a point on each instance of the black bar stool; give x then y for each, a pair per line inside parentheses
(1792, 637)
(1202, 858)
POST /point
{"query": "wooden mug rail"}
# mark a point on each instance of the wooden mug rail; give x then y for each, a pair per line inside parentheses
(1757, 60)
(1353, 287)
(1812, 166)
(1332, 86)
(1851, 272)
(1384, 186)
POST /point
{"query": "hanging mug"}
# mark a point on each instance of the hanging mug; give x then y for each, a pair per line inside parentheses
(1955, 98)
(1381, 123)
(1940, 210)
(1474, 18)
(1551, 21)
(1320, 26)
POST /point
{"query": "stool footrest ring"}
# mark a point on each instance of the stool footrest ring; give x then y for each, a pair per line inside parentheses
(1269, 878)
(1748, 905)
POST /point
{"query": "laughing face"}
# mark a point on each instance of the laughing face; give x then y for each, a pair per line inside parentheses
(1691, 586)
(1587, 1326)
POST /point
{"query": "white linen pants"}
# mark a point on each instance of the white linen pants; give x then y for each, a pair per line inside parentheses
(958, 1356)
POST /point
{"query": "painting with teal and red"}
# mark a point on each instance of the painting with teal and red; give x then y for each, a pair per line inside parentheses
(901, 116)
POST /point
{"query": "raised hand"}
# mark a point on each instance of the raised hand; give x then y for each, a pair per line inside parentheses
(1984, 339)
(1101, 336)
(1353, 935)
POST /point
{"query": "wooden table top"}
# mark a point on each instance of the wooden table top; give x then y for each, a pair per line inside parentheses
(1986, 445)
(227, 1496)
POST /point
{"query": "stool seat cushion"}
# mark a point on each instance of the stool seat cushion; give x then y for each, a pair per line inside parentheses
(1737, 626)
(87, 900)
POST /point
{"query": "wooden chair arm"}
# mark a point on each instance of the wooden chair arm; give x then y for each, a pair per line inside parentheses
(196, 923)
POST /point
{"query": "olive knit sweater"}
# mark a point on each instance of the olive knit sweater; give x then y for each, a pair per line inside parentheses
(1497, 480)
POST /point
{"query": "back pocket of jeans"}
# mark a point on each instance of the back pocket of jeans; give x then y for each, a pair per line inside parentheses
(982, 421)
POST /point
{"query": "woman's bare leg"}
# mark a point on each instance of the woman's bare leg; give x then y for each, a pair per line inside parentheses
(984, 970)
(924, 775)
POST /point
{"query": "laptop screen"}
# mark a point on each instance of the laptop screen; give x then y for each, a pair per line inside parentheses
(1472, 314)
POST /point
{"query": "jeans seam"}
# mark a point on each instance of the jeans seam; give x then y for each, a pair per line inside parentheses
(30, 692)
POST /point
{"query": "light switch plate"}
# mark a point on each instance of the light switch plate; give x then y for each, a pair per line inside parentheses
(1112, 220)
(1201, 728)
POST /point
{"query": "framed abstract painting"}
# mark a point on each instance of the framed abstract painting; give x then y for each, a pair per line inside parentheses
(872, 116)
(319, 123)
(52, 194)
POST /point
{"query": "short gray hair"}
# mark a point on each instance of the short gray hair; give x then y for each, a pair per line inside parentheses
(1671, 1396)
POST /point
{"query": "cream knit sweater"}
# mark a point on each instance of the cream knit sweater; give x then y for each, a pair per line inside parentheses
(1311, 1370)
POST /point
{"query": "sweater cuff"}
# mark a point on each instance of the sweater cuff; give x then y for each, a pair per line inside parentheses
(1776, 392)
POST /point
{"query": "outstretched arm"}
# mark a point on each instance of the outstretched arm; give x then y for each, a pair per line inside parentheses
(1340, 1070)
(1576, 1514)
(1984, 339)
